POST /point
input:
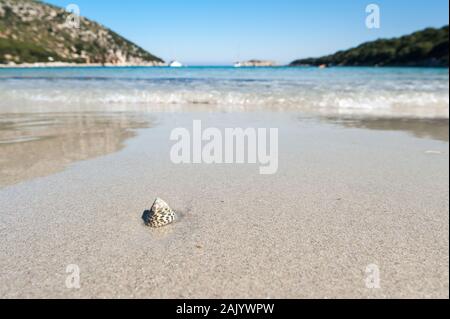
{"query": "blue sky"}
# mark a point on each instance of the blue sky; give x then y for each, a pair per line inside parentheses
(223, 31)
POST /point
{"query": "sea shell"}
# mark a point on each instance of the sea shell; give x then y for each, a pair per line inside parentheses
(159, 215)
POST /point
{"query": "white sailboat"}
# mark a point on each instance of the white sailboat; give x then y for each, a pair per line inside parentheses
(175, 64)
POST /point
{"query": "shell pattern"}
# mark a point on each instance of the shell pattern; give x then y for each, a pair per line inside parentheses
(160, 214)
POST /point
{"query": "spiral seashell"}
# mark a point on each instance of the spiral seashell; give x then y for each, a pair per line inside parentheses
(159, 215)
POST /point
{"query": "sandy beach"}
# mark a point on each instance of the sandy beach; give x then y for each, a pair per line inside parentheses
(348, 194)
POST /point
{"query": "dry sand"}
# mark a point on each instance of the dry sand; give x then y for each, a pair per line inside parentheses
(346, 195)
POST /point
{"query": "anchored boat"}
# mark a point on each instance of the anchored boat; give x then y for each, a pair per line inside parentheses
(175, 64)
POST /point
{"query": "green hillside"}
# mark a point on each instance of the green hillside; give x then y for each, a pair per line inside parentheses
(424, 48)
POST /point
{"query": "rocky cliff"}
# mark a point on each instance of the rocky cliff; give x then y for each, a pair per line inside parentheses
(34, 32)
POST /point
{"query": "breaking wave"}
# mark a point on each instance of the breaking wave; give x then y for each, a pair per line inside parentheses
(410, 93)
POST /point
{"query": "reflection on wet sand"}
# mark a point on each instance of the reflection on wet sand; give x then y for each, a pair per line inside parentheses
(34, 145)
(436, 129)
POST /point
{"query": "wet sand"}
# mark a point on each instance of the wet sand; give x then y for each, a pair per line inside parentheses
(39, 144)
(345, 196)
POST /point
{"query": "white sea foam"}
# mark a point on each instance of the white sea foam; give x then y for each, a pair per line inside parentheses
(358, 91)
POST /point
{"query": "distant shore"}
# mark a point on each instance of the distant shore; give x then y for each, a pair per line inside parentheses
(68, 64)
(111, 65)
(150, 64)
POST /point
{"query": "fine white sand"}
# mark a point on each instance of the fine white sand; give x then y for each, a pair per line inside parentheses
(346, 195)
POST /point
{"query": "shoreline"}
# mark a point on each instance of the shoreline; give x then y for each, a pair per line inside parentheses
(87, 65)
(77, 65)
(40, 138)
(156, 65)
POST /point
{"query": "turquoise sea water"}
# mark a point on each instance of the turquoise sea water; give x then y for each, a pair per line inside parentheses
(416, 92)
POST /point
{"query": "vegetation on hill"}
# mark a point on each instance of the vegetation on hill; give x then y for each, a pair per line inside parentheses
(32, 31)
(428, 47)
